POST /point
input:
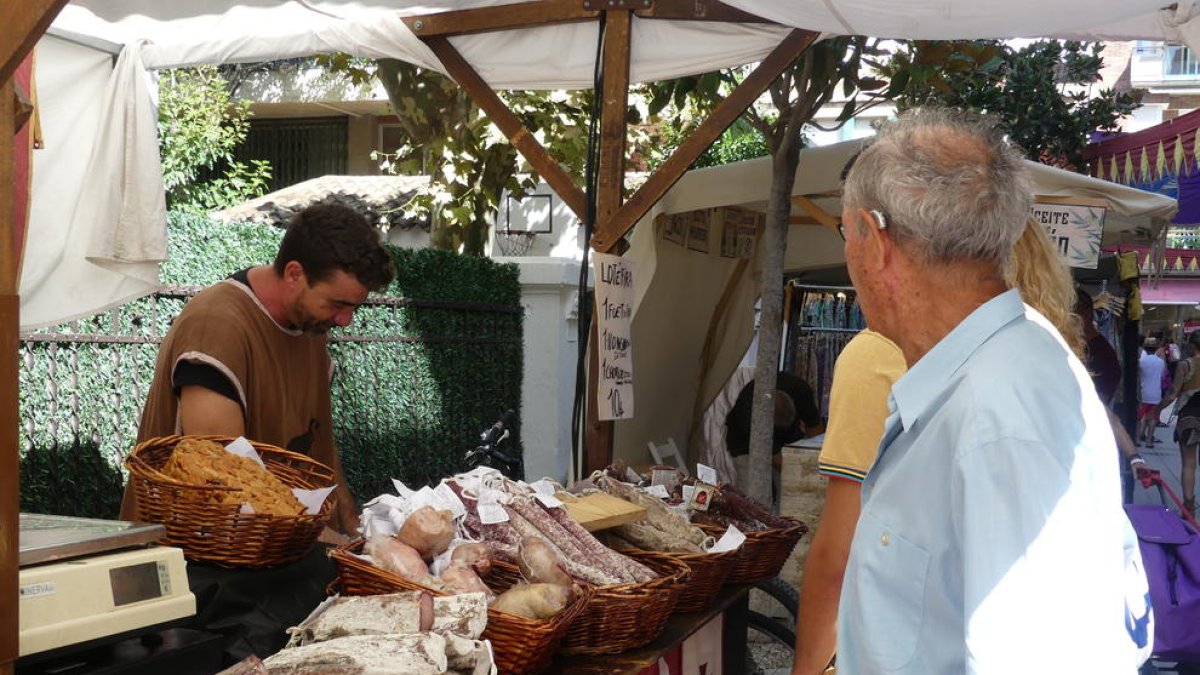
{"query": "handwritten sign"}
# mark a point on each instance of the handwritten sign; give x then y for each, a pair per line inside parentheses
(614, 313)
(1075, 228)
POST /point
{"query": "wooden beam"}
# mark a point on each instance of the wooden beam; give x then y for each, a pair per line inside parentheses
(696, 10)
(803, 220)
(9, 255)
(817, 213)
(22, 24)
(502, 17)
(9, 392)
(610, 191)
(508, 123)
(681, 160)
(614, 101)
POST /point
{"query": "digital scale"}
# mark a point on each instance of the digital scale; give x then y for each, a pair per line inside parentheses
(82, 579)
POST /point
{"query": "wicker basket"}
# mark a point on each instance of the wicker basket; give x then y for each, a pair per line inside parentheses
(624, 616)
(520, 645)
(707, 574)
(763, 553)
(218, 533)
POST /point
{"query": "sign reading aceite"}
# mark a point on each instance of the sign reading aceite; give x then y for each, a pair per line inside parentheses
(1075, 227)
(614, 324)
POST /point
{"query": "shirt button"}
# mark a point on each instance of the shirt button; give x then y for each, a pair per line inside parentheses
(885, 538)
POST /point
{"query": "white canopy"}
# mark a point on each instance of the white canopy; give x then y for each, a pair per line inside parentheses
(97, 225)
(678, 288)
(978, 19)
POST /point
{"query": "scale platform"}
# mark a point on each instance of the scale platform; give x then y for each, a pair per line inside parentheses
(82, 579)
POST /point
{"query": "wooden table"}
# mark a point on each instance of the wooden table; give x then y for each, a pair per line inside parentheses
(732, 600)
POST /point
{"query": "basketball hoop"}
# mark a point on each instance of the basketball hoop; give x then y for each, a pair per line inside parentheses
(514, 243)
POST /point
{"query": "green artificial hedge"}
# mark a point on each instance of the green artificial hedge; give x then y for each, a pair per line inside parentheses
(417, 379)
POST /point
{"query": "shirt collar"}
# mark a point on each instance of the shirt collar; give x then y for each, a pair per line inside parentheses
(916, 390)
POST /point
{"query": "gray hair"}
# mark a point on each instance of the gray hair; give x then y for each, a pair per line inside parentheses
(948, 183)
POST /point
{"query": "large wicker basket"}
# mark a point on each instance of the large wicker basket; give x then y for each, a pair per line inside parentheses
(520, 645)
(707, 574)
(763, 553)
(624, 616)
(219, 533)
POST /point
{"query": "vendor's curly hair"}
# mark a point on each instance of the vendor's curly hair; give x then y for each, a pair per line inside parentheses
(1038, 271)
(325, 238)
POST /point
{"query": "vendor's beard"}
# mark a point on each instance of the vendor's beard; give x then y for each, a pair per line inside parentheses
(317, 328)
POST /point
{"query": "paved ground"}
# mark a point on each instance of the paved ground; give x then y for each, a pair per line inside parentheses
(1164, 457)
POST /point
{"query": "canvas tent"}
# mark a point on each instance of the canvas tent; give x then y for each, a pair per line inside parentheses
(112, 251)
(680, 290)
(514, 47)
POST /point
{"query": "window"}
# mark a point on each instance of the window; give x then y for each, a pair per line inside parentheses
(1179, 62)
(391, 136)
(1148, 48)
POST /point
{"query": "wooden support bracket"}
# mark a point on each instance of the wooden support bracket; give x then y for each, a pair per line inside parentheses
(724, 115)
(695, 10)
(817, 213)
(508, 123)
(501, 17)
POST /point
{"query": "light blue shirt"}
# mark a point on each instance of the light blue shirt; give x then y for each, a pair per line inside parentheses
(991, 536)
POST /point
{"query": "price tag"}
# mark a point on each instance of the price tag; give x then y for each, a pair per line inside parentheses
(665, 477)
(490, 514)
(448, 500)
(706, 474)
(659, 491)
(549, 501)
(543, 487)
(687, 493)
(730, 541)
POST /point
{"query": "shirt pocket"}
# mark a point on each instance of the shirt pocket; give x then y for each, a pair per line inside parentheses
(893, 573)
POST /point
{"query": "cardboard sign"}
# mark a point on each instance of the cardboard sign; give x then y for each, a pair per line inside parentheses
(1075, 227)
(614, 323)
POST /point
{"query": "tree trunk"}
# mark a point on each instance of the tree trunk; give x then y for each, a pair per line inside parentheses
(774, 247)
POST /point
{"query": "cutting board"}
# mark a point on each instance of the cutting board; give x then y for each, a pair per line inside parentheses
(600, 511)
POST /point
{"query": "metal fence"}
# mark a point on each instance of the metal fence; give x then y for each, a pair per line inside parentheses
(416, 380)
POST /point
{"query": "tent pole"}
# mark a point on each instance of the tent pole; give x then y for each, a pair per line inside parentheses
(598, 437)
(21, 26)
(9, 378)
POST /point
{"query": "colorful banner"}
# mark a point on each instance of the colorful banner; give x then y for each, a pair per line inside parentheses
(1074, 228)
(614, 330)
(1159, 159)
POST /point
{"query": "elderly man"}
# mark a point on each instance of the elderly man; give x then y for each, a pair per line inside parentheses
(991, 535)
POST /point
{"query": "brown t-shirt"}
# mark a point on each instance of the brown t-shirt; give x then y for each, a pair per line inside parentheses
(281, 376)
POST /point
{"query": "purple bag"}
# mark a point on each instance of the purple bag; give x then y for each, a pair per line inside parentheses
(1171, 556)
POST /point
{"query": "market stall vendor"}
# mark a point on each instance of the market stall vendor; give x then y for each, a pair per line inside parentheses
(248, 356)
